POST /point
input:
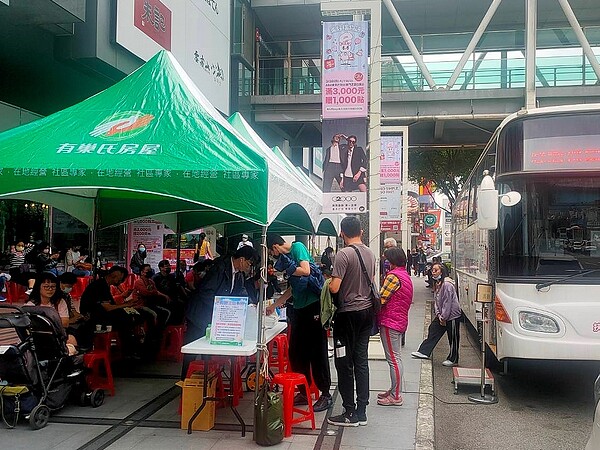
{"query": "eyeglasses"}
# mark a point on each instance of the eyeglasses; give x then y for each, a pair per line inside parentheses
(48, 287)
(352, 141)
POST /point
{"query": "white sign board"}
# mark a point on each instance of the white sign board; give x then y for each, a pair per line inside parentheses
(345, 202)
(390, 202)
(197, 32)
(228, 320)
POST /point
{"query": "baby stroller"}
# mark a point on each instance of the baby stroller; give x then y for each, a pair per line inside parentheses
(36, 372)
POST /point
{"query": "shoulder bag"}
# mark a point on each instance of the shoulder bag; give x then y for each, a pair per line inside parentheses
(375, 297)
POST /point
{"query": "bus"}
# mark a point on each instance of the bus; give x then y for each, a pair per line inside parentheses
(543, 257)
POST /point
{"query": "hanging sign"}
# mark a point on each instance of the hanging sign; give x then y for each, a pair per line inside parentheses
(228, 320)
(345, 76)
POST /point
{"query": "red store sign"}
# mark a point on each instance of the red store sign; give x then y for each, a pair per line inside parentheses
(154, 19)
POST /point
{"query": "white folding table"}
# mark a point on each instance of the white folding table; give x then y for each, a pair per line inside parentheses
(205, 349)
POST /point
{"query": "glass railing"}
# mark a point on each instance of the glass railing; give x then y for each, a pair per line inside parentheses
(482, 71)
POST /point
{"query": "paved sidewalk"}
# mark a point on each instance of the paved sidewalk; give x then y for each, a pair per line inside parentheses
(143, 414)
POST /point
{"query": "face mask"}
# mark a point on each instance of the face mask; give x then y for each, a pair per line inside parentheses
(20, 248)
(141, 249)
(99, 253)
(67, 290)
(46, 250)
(437, 277)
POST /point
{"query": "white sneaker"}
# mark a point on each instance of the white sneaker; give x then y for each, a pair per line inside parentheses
(28, 291)
(419, 355)
(449, 363)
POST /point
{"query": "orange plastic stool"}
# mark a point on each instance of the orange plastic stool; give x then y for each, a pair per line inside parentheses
(281, 360)
(171, 343)
(290, 381)
(95, 380)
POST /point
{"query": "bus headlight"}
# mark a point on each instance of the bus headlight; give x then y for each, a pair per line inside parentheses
(532, 321)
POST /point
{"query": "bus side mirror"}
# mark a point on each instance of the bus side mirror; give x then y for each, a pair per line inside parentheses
(487, 204)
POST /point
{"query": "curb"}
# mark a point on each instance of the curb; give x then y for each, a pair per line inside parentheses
(425, 436)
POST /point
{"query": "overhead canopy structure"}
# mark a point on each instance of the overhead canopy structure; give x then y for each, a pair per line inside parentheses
(325, 224)
(150, 145)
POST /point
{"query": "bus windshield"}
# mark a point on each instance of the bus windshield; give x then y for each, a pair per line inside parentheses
(554, 231)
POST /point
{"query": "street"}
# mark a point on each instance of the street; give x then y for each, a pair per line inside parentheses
(542, 404)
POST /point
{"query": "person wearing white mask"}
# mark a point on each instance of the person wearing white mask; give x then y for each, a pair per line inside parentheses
(245, 241)
(138, 259)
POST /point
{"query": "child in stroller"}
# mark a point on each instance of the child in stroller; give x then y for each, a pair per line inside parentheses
(39, 360)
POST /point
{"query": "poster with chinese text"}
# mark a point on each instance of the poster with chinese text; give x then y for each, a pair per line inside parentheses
(228, 320)
(345, 66)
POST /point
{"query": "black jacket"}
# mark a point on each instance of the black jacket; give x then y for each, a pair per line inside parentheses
(217, 281)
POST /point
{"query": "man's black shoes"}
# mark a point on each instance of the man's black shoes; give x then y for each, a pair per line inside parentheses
(344, 420)
(323, 403)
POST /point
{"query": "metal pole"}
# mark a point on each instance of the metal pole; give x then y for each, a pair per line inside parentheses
(178, 254)
(409, 42)
(375, 130)
(260, 342)
(530, 44)
(483, 397)
(585, 45)
(474, 41)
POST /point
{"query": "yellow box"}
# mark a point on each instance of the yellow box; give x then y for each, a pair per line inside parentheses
(192, 399)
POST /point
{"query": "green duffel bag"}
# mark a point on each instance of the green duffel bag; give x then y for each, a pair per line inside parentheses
(268, 417)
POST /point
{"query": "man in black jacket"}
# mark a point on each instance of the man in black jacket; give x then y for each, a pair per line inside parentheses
(354, 165)
(225, 277)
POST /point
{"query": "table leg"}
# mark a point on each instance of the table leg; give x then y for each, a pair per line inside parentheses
(233, 383)
(204, 396)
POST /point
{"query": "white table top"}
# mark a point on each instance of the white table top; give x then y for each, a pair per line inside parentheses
(203, 347)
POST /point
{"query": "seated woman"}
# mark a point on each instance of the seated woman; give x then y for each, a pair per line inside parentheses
(46, 293)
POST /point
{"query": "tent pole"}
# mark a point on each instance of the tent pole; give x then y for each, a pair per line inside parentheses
(260, 343)
(178, 255)
(94, 237)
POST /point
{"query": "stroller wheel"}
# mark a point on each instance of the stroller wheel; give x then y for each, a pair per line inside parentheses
(97, 398)
(39, 416)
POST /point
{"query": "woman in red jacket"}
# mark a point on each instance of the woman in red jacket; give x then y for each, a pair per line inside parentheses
(396, 298)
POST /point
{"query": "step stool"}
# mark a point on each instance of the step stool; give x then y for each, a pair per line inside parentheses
(95, 379)
(290, 381)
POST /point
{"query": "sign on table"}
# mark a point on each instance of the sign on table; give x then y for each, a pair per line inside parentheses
(228, 320)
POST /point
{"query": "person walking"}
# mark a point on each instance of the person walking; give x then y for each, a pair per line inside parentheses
(353, 322)
(396, 297)
(308, 339)
(447, 319)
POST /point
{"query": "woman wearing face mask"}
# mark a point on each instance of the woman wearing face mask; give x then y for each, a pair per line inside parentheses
(138, 258)
(447, 318)
(77, 321)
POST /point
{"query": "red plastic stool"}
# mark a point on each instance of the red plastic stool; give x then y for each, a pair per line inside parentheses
(109, 342)
(171, 343)
(290, 381)
(15, 292)
(282, 360)
(95, 380)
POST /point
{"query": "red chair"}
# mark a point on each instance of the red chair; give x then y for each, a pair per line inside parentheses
(108, 342)
(171, 343)
(290, 381)
(98, 378)
(15, 292)
(281, 360)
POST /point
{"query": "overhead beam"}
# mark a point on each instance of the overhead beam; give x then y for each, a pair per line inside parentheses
(410, 44)
(473, 42)
(471, 74)
(403, 73)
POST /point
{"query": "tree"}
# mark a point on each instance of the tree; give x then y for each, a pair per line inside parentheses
(447, 169)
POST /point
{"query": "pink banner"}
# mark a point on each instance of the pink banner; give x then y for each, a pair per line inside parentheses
(345, 65)
(390, 165)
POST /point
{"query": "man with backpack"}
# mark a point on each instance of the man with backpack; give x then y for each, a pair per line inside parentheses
(308, 339)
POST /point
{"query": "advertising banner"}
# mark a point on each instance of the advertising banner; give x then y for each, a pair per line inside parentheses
(390, 165)
(390, 202)
(345, 164)
(345, 66)
(150, 233)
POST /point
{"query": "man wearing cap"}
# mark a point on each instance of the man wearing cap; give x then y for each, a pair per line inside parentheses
(245, 241)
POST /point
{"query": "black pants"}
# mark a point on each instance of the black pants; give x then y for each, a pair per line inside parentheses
(351, 331)
(435, 333)
(308, 346)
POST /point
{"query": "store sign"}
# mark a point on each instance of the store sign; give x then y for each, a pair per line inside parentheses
(345, 202)
(429, 220)
(154, 19)
(345, 69)
(394, 226)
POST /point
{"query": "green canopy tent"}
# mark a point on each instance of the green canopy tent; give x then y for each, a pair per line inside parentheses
(325, 224)
(150, 145)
